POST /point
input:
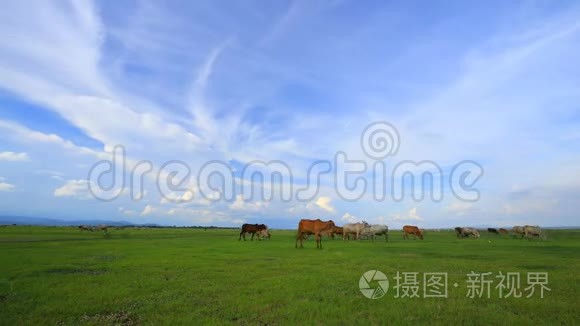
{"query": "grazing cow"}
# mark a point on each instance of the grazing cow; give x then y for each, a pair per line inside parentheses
(316, 227)
(264, 233)
(466, 232)
(492, 230)
(459, 231)
(410, 229)
(503, 231)
(354, 228)
(253, 229)
(102, 227)
(533, 231)
(518, 231)
(376, 229)
(85, 228)
(338, 230)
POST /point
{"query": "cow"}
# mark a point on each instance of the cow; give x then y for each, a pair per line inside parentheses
(316, 227)
(264, 233)
(459, 231)
(253, 229)
(466, 232)
(101, 227)
(376, 229)
(503, 231)
(338, 230)
(533, 231)
(354, 228)
(492, 230)
(518, 231)
(410, 229)
(85, 228)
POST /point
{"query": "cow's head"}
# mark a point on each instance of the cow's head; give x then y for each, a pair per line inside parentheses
(267, 234)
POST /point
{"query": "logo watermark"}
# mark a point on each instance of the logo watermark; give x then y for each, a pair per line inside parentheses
(435, 285)
(351, 179)
(373, 277)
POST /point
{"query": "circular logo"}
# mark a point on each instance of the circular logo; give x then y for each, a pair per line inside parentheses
(378, 291)
(379, 140)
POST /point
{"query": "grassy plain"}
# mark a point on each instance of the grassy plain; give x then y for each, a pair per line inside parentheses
(58, 275)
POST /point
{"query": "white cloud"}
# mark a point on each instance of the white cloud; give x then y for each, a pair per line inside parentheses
(410, 216)
(78, 189)
(13, 156)
(242, 205)
(349, 218)
(322, 202)
(6, 186)
(460, 208)
(147, 210)
(127, 212)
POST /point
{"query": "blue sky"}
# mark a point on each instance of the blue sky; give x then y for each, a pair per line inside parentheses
(295, 81)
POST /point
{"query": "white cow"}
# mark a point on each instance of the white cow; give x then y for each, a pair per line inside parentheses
(376, 229)
(354, 228)
(533, 231)
(519, 231)
(466, 232)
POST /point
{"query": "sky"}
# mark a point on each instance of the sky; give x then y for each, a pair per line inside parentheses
(495, 83)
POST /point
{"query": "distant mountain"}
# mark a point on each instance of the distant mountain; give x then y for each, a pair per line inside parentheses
(26, 220)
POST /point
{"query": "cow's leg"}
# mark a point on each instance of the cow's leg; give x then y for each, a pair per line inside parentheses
(299, 237)
(253, 234)
(240, 236)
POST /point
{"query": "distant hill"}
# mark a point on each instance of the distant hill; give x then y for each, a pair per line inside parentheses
(26, 220)
(43, 221)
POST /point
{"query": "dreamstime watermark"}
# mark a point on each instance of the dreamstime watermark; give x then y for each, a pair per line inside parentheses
(257, 180)
(435, 285)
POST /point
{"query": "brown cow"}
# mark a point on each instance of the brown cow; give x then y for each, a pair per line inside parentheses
(410, 229)
(316, 227)
(253, 229)
(338, 230)
(503, 231)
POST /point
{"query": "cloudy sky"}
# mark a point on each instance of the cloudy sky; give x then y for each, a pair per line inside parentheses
(291, 81)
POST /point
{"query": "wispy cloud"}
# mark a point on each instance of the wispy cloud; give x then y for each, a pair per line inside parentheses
(12, 156)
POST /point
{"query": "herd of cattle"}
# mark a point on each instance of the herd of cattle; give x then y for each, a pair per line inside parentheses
(361, 230)
(98, 228)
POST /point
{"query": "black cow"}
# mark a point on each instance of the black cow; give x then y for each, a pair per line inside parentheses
(253, 229)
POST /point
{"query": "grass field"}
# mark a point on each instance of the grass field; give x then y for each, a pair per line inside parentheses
(57, 275)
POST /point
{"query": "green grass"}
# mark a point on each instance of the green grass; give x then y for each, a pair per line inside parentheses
(54, 275)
